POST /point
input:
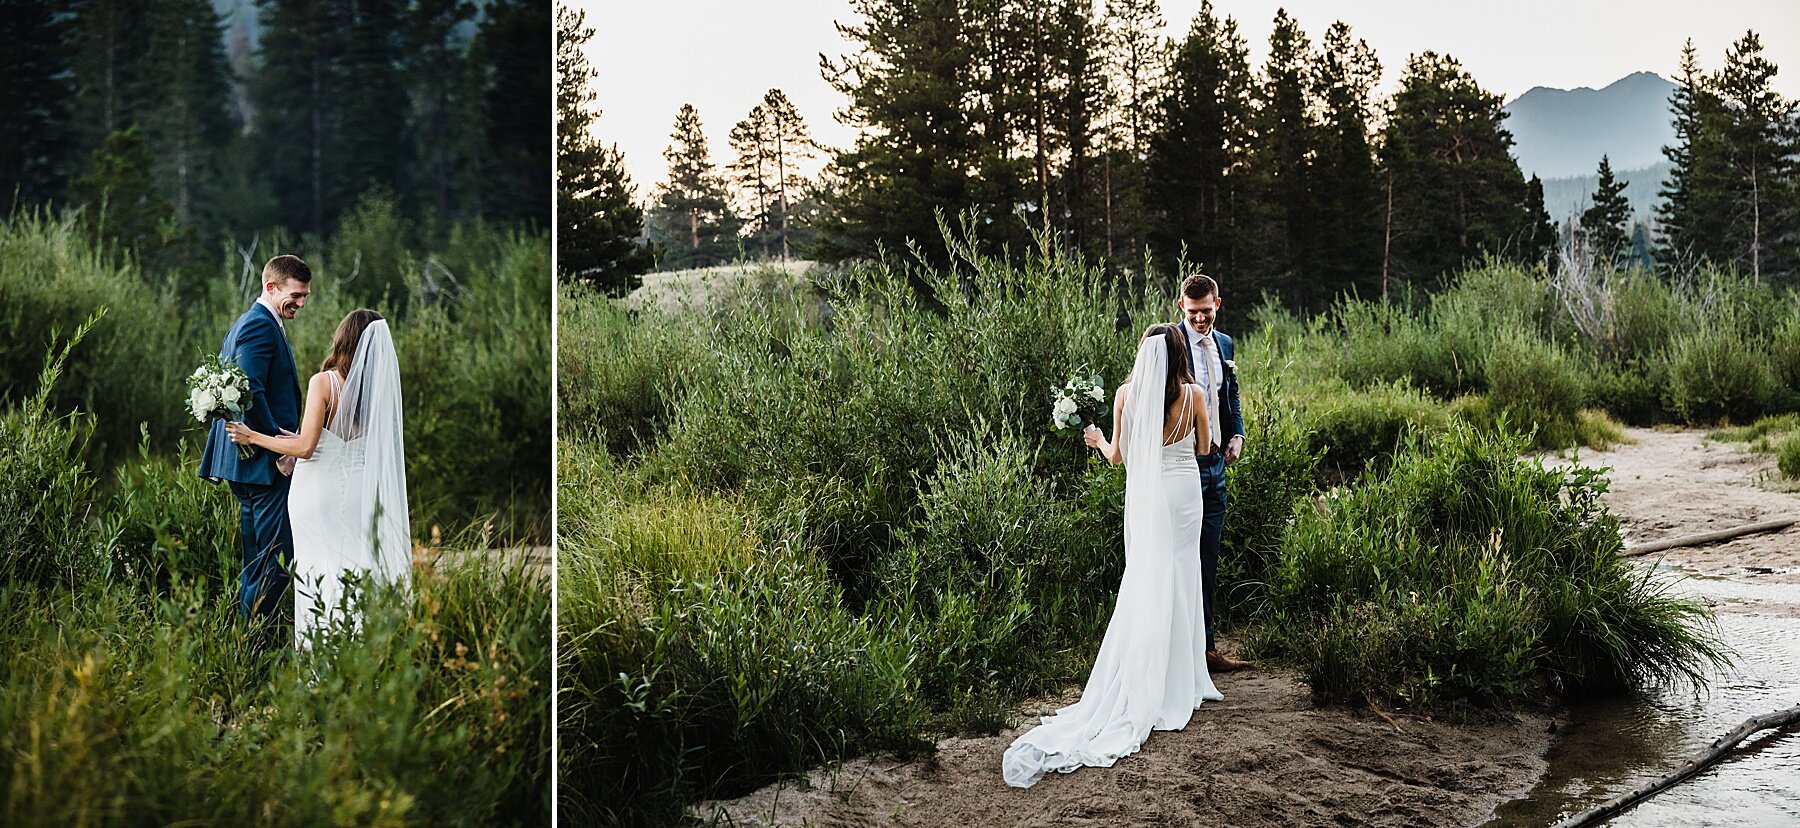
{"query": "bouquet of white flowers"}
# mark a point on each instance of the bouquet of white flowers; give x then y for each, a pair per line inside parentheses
(220, 390)
(1080, 401)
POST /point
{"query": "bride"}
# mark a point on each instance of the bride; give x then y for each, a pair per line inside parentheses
(347, 503)
(1151, 671)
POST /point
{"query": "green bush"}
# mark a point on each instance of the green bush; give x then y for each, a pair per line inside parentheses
(1787, 457)
(1718, 374)
(1465, 575)
(130, 367)
(170, 526)
(696, 663)
(47, 528)
(1278, 470)
(619, 374)
(1351, 432)
(1537, 386)
(1384, 344)
(117, 707)
(1631, 391)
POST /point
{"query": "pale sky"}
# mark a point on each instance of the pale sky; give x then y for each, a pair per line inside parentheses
(722, 55)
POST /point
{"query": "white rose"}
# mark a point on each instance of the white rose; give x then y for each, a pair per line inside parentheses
(1065, 406)
(204, 400)
(230, 395)
(1056, 422)
(200, 372)
(1097, 393)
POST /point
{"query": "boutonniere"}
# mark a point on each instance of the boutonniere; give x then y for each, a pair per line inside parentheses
(1231, 366)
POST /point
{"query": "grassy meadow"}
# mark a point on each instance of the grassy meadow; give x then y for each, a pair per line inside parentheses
(130, 691)
(804, 521)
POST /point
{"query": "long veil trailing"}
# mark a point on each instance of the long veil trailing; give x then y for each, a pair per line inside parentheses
(1136, 685)
(370, 419)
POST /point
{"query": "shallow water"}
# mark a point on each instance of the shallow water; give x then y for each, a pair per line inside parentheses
(1607, 748)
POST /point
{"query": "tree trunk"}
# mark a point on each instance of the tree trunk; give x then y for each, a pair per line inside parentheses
(1694, 764)
(1387, 236)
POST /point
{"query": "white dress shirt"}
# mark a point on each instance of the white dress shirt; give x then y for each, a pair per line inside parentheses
(264, 301)
(1209, 372)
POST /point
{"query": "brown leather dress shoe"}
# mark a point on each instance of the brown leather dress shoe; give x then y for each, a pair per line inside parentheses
(1217, 662)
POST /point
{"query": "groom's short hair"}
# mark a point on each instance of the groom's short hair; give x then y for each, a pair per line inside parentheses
(284, 267)
(1199, 286)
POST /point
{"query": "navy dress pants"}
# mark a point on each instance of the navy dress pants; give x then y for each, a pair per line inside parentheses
(268, 540)
(1212, 528)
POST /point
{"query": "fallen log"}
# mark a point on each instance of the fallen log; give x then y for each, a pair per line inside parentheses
(1774, 525)
(1694, 764)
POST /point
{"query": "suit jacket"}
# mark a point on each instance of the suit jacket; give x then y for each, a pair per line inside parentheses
(255, 341)
(1230, 412)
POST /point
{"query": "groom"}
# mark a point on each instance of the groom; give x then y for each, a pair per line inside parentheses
(258, 343)
(1211, 354)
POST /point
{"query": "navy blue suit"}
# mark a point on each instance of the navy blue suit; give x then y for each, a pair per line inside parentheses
(256, 342)
(1212, 470)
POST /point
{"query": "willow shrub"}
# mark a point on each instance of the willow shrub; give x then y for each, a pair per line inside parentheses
(1464, 575)
(696, 662)
(48, 532)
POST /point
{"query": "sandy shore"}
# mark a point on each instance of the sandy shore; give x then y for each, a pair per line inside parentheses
(1669, 483)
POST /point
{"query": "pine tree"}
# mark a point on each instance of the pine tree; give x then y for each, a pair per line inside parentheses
(1137, 61)
(1693, 217)
(443, 86)
(692, 220)
(35, 139)
(1347, 191)
(110, 41)
(1457, 192)
(1280, 170)
(931, 91)
(1605, 225)
(790, 144)
(185, 91)
(1198, 152)
(752, 171)
(120, 204)
(1764, 144)
(599, 220)
(514, 46)
(299, 127)
(373, 100)
(1538, 241)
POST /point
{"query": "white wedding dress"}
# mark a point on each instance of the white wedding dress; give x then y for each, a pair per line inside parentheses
(347, 503)
(1151, 672)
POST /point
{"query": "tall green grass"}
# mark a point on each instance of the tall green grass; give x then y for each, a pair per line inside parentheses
(131, 692)
(810, 524)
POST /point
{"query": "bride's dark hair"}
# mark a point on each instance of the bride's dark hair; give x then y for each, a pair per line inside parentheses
(343, 343)
(1179, 372)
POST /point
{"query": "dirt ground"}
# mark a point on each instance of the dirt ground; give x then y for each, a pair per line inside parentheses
(1263, 756)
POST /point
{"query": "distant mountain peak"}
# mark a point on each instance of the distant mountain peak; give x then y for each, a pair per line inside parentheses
(1561, 133)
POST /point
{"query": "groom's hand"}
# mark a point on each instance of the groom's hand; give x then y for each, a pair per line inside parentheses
(1233, 448)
